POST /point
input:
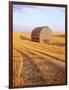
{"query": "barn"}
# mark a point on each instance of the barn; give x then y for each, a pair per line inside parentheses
(42, 34)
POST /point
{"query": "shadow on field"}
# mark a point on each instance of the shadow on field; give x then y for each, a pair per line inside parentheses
(24, 38)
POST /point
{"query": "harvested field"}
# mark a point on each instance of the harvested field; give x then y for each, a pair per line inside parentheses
(37, 63)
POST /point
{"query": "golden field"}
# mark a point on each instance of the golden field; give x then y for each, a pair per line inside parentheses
(37, 63)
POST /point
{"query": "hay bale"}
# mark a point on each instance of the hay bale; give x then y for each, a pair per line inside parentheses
(42, 35)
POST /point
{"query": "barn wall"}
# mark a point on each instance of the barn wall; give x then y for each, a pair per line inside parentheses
(41, 34)
(46, 35)
(35, 35)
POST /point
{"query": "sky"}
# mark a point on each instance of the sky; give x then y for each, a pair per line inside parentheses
(28, 17)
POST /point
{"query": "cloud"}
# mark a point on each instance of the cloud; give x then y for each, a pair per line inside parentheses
(30, 8)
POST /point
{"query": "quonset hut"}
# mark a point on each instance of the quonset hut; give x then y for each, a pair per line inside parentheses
(42, 35)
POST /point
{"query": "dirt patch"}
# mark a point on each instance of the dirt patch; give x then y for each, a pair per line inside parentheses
(59, 44)
(30, 73)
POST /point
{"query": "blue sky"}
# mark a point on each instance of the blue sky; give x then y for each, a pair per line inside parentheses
(27, 17)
